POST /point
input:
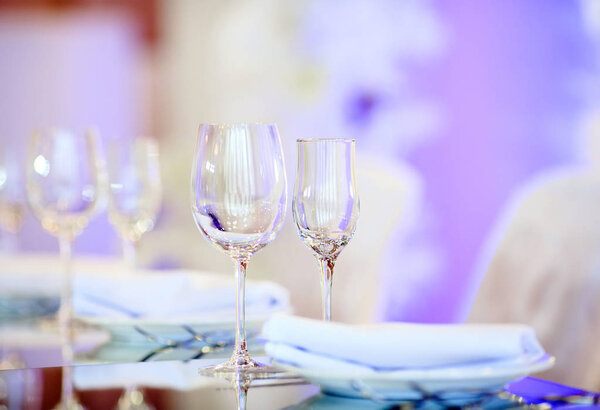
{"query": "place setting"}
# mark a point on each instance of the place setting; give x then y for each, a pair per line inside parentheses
(396, 361)
(239, 202)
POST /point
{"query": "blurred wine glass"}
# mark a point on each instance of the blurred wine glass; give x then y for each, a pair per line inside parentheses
(134, 200)
(238, 202)
(325, 203)
(135, 190)
(12, 197)
(64, 182)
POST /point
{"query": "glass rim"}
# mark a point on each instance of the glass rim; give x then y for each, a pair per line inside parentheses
(305, 140)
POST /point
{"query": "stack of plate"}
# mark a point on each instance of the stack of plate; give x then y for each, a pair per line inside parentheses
(402, 361)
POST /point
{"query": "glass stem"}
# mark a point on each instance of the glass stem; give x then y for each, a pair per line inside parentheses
(65, 317)
(130, 253)
(326, 278)
(242, 394)
(240, 354)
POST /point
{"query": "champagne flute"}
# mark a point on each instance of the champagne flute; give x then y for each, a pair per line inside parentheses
(134, 200)
(64, 182)
(239, 196)
(12, 197)
(325, 204)
(135, 190)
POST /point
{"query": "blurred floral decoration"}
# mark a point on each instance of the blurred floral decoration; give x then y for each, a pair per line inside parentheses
(327, 70)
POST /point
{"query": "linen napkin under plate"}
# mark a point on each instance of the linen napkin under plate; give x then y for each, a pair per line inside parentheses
(315, 344)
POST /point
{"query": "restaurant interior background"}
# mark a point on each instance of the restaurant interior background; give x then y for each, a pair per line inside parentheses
(470, 117)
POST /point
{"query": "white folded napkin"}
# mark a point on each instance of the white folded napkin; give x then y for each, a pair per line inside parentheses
(181, 294)
(393, 346)
(105, 289)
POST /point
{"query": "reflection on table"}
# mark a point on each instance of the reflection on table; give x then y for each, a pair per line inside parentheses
(165, 385)
(177, 385)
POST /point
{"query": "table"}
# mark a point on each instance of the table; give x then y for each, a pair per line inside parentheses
(177, 385)
(108, 363)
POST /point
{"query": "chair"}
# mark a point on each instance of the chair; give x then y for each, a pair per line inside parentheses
(542, 268)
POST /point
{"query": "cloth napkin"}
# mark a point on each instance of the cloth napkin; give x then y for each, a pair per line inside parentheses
(104, 289)
(181, 294)
(317, 344)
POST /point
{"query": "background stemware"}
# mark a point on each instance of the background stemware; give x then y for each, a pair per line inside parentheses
(134, 200)
(238, 202)
(325, 203)
(65, 178)
(135, 190)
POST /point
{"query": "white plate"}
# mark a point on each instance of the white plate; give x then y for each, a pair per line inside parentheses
(123, 330)
(129, 343)
(449, 383)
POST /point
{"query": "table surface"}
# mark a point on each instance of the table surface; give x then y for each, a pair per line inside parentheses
(178, 385)
(165, 363)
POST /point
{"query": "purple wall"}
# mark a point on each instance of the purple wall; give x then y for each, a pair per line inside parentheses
(506, 86)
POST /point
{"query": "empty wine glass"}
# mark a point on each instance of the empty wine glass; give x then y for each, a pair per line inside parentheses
(325, 203)
(135, 190)
(64, 182)
(12, 196)
(238, 201)
(134, 200)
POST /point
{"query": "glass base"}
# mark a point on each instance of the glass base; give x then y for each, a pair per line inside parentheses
(241, 366)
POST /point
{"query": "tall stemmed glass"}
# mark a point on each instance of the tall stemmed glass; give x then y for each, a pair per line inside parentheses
(238, 201)
(134, 200)
(325, 203)
(135, 190)
(64, 181)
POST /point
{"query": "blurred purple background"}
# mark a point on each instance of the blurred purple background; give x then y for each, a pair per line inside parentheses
(508, 85)
(477, 97)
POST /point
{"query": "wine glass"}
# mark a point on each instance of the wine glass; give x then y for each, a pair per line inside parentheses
(135, 190)
(12, 196)
(134, 200)
(64, 182)
(325, 204)
(239, 196)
